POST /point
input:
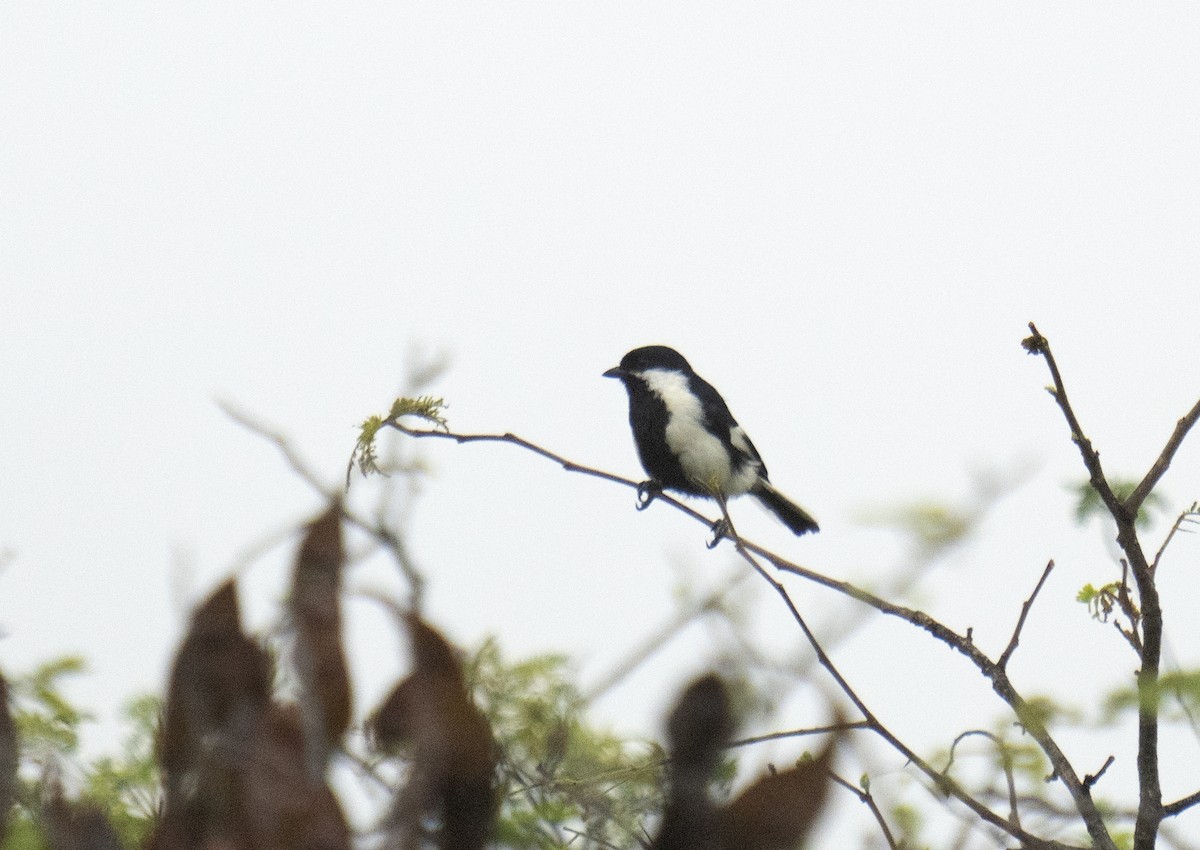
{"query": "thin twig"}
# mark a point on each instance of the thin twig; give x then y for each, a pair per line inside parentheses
(1016, 635)
(1181, 805)
(591, 838)
(1134, 500)
(1038, 344)
(1187, 516)
(1006, 764)
(1130, 610)
(382, 535)
(1089, 780)
(799, 733)
(662, 636)
(864, 796)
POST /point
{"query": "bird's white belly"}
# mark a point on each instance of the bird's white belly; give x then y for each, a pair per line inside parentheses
(704, 458)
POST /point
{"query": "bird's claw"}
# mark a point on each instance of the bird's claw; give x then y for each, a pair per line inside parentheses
(647, 492)
(720, 530)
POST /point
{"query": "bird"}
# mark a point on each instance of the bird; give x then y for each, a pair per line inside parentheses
(687, 439)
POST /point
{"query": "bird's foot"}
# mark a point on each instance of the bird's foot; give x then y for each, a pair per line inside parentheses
(720, 530)
(647, 492)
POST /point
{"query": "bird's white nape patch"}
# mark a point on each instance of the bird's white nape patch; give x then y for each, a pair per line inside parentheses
(704, 458)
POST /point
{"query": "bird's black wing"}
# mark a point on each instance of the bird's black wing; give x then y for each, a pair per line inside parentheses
(720, 422)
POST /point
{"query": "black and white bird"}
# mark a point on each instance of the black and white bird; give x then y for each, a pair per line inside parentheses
(687, 439)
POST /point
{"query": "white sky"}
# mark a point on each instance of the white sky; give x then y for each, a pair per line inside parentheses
(843, 214)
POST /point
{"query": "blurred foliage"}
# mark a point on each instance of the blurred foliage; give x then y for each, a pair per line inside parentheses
(1045, 711)
(47, 723)
(124, 787)
(1088, 503)
(564, 782)
(932, 525)
(907, 823)
(1178, 693)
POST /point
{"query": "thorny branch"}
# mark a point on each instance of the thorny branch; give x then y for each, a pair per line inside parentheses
(1090, 780)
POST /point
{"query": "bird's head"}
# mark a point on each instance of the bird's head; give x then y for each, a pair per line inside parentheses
(646, 358)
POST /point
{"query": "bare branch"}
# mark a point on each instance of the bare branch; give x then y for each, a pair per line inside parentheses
(1150, 812)
(1134, 500)
(864, 796)
(1038, 344)
(1181, 805)
(1016, 636)
(944, 783)
(1089, 780)
(1187, 516)
(1005, 761)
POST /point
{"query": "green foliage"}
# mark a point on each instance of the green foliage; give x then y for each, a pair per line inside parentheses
(565, 783)
(364, 454)
(24, 833)
(47, 724)
(932, 525)
(1042, 711)
(1123, 838)
(1100, 600)
(906, 823)
(1178, 693)
(1089, 504)
(124, 787)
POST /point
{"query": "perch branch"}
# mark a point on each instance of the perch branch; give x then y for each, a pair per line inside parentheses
(960, 643)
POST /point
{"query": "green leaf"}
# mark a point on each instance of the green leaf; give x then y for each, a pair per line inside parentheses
(364, 454)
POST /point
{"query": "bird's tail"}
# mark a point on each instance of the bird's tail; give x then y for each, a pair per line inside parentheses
(791, 514)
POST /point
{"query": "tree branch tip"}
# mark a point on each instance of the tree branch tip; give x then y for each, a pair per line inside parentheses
(1035, 343)
(1089, 780)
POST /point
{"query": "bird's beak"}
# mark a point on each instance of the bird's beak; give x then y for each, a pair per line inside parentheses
(615, 372)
